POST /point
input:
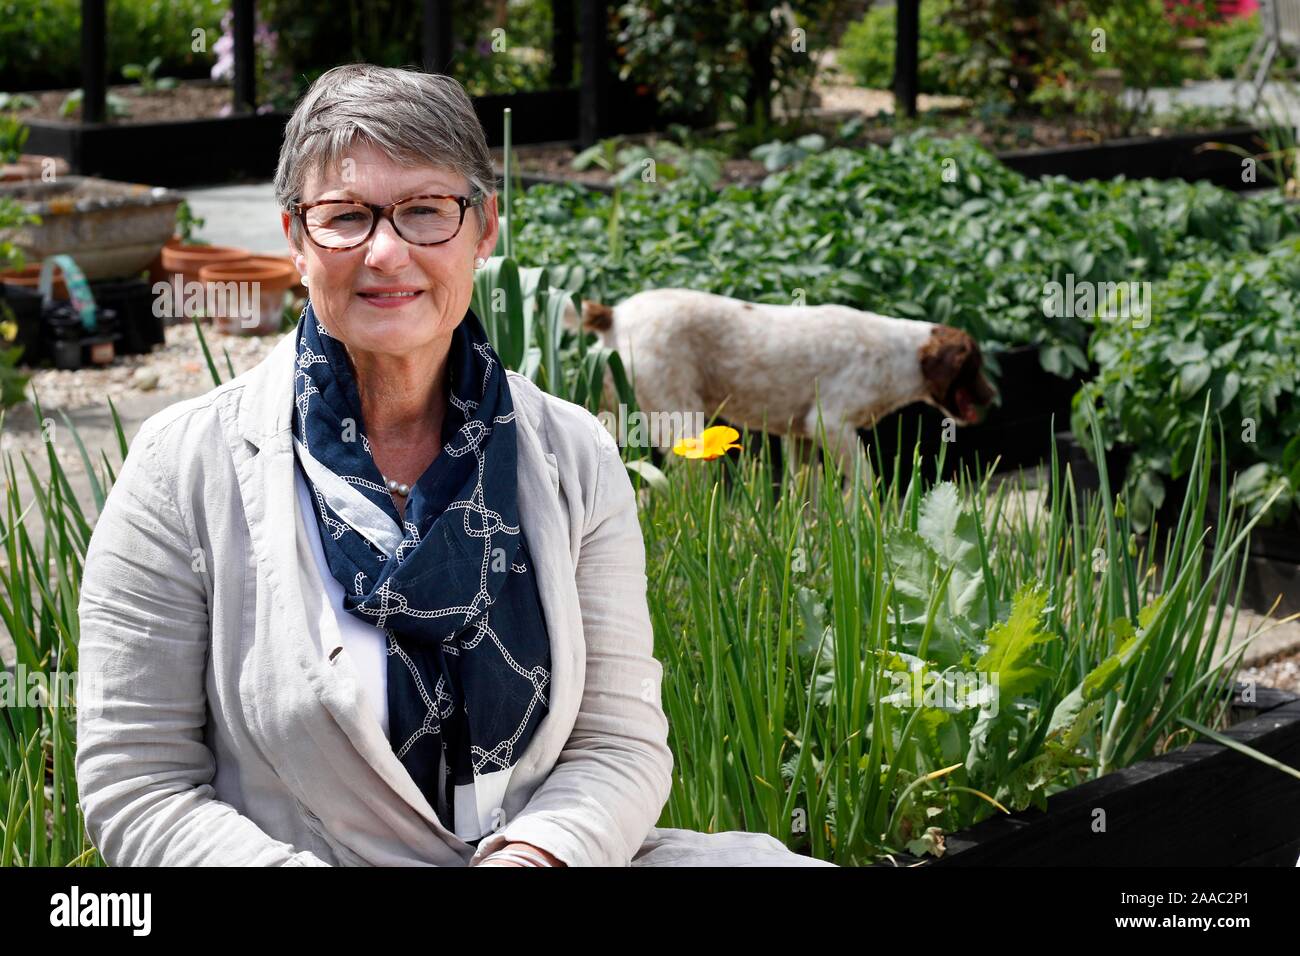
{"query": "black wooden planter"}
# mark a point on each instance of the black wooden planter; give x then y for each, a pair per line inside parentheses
(1016, 433)
(224, 149)
(180, 153)
(1273, 573)
(1159, 157)
(1201, 805)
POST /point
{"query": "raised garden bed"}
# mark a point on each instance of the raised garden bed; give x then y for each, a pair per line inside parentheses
(195, 151)
(1169, 156)
(175, 153)
(1172, 156)
(1200, 805)
(1273, 570)
(193, 99)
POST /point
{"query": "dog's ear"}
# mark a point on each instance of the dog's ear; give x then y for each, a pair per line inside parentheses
(943, 356)
(596, 317)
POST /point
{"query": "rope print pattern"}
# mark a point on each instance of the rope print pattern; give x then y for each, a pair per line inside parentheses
(468, 650)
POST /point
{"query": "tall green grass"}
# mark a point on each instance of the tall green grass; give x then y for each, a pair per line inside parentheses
(40, 585)
(780, 619)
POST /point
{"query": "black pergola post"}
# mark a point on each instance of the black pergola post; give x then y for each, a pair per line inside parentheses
(242, 18)
(94, 61)
(436, 36)
(561, 44)
(593, 94)
(908, 39)
(906, 57)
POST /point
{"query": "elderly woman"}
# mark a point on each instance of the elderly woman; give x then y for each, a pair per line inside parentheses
(378, 600)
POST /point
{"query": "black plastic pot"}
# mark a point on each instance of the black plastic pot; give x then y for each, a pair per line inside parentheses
(25, 304)
(66, 354)
(62, 330)
(132, 301)
(100, 346)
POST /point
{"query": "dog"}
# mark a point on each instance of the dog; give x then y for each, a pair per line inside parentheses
(692, 355)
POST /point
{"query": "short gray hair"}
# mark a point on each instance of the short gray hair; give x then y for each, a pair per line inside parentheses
(420, 119)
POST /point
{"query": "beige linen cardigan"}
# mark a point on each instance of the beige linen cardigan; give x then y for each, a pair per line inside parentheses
(220, 724)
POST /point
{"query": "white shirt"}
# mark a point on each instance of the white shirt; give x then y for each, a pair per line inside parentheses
(478, 809)
(366, 644)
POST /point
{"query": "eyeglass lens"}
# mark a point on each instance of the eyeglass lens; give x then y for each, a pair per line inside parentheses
(341, 224)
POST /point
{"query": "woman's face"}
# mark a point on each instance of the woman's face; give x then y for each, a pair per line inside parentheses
(343, 283)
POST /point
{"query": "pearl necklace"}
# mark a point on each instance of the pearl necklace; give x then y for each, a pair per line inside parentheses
(397, 486)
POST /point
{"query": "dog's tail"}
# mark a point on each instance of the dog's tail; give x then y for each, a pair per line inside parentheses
(595, 317)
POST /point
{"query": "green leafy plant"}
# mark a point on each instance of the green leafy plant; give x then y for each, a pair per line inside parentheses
(711, 63)
(38, 48)
(114, 105)
(925, 228)
(867, 50)
(16, 101)
(13, 134)
(795, 635)
(147, 76)
(778, 155)
(1224, 330)
(188, 224)
(13, 383)
(1229, 43)
(40, 579)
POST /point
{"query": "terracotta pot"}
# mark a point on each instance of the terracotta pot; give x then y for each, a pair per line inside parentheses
(188, 260)
(231, 308)
(298, 289)
(29, 277)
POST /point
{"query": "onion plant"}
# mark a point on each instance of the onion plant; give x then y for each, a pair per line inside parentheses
(40, 585)
(788, 623)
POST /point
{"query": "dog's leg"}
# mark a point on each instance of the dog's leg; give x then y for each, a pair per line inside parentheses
(804, 455)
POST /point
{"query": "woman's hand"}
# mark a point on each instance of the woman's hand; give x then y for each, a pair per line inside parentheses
(489, 861)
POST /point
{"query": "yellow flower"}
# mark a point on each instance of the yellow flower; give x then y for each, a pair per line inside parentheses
(9, 330)
(714, 443)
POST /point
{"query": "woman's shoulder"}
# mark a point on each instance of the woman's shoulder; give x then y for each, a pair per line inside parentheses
(581, 451)
(200, 426)
(563, 427)
(187, 425)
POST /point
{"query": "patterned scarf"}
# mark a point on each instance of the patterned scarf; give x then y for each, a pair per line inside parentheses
(451, 583)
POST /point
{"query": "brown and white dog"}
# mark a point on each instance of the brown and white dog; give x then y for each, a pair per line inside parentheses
(765, 367)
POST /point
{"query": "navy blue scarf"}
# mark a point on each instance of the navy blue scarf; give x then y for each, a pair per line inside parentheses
(454, 589)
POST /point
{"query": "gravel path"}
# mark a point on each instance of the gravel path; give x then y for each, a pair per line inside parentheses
(1280, 672)
(138, 385)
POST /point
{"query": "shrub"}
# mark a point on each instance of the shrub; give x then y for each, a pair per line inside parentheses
(867, 50)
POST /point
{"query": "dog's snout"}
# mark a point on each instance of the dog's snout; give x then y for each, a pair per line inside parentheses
(952, 366)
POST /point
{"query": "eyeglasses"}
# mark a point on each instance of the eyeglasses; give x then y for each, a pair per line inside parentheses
(420, 220)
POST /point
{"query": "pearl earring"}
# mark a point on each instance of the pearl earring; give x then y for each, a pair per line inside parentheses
(480, 262)
(304, 279)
